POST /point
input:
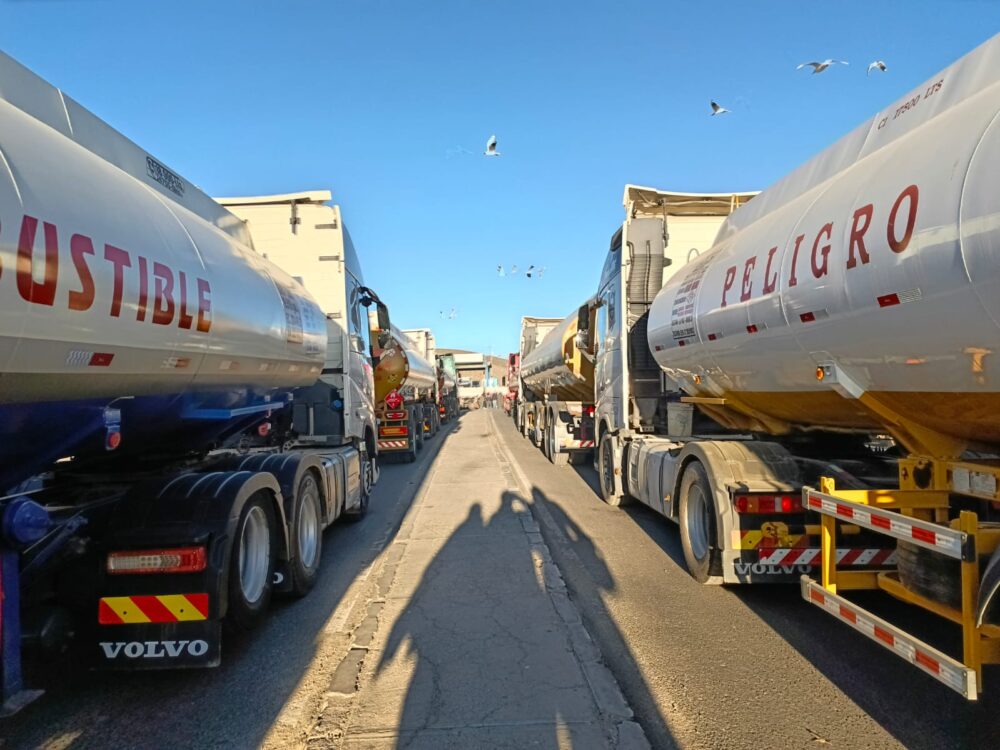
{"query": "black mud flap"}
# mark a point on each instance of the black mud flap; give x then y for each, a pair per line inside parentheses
(180, 645)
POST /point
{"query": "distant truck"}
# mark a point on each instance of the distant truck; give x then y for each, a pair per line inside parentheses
(560, 380)
(445, 398)
(533, 331)
(186, 397)
(448, 386)
(405, 387)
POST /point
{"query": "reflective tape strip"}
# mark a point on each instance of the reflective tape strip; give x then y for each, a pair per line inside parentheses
(810, 556)
(392, 444)
(940, 666)
(130, 610)
(578, 443)
(931, 536)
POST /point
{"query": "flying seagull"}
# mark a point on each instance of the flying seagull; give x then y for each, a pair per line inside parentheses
(500, 271)
(532, 270)
(513, 269)
(452, 315)
(718, 109)
(877, 65)
(491, 147)
(819, 67)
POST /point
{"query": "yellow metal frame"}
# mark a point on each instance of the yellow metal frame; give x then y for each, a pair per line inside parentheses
(980, 645)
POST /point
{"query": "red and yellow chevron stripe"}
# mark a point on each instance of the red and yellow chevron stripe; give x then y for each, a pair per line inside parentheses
(129, 610)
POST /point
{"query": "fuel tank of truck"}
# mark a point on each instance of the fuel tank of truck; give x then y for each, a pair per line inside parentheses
(556, 366)
(862, 290)
(128, 320)
(402, 368)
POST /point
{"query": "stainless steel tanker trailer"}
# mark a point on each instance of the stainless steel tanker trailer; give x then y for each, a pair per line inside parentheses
(176, 410)
(853, 300)
(533, 331)
(561, 380)
(445, 395)
(405, 387)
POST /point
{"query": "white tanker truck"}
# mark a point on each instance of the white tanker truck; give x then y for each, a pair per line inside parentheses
(405, 387)
(141, 334)
(856, 296)
(559, 404)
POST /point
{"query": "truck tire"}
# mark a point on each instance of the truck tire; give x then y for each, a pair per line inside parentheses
(580, 458)
(418, 428)
(557, 457)
(251, 564)
(698, 526)
(369, 474)
(411, 452)
(610, 472)
(305, 536)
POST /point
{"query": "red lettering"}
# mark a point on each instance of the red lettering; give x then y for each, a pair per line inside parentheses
(747, 287)
(858, 236)
(792, 281)
(730, 278)
(913, 194)
(163, 296)
(140, 313)
(204, 306)
(817, 269)
(120, 260)
(80, 246)
(43, 293)
(770, 283)
(183, 318)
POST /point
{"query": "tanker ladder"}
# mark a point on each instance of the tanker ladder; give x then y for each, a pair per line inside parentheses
(918, 516)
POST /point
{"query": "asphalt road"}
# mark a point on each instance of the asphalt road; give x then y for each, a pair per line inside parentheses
(747, 667)
(262, 686)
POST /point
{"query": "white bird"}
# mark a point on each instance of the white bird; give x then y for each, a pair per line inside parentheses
(491, 147)
(819, 67)
(536, 271)
(500, 271)
(876, 65)
(513, 270)
(718, 109)
(452, 315)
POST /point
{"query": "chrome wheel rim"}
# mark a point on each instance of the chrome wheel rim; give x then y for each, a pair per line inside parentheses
(697, 522)
(255, 555)
(308, 531)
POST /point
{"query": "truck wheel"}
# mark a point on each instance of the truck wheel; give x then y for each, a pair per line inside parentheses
(411, 453)
(580, 458)
(418, 431)
(698, 526)
(306, 536)
(251, 564)
(557, 457)
(369, 475)
(612, 484)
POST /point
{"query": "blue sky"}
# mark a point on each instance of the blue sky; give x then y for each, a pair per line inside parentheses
(373, 100)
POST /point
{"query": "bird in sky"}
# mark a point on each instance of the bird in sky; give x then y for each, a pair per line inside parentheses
(718, 109)
(453, 314)
(819, 67)
(876, 65)
(513, 270)
(491, 147)
(535, 271)
(500, 271)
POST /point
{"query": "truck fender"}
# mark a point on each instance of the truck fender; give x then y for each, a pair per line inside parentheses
(191, 508)
(732, 463)
(288, 468)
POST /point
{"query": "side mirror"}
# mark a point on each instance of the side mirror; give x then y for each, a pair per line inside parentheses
(383, 317)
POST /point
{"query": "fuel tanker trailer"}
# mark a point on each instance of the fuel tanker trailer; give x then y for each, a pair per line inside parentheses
(446, 384)
(533, 332)
(141, 337)
(858, 295)
(561, 378)
(405, 385)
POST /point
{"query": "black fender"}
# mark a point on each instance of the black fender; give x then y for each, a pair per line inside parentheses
(188, 509)
(288, 468)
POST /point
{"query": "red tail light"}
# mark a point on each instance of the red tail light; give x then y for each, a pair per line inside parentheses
(768, 504)
(395, 415)
(590, 410)
(178, 560)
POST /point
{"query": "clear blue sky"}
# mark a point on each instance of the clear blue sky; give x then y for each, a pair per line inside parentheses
(368, 99)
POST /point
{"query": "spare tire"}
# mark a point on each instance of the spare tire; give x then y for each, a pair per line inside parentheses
(931, 574)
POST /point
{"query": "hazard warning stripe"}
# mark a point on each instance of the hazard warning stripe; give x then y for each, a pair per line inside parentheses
(940, 666)
(811, 556)
(577, 443)
(130, 610)
(391, 444)
(955, 544)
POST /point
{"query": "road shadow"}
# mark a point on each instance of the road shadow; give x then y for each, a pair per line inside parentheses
(237, 704)
(491, 664)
